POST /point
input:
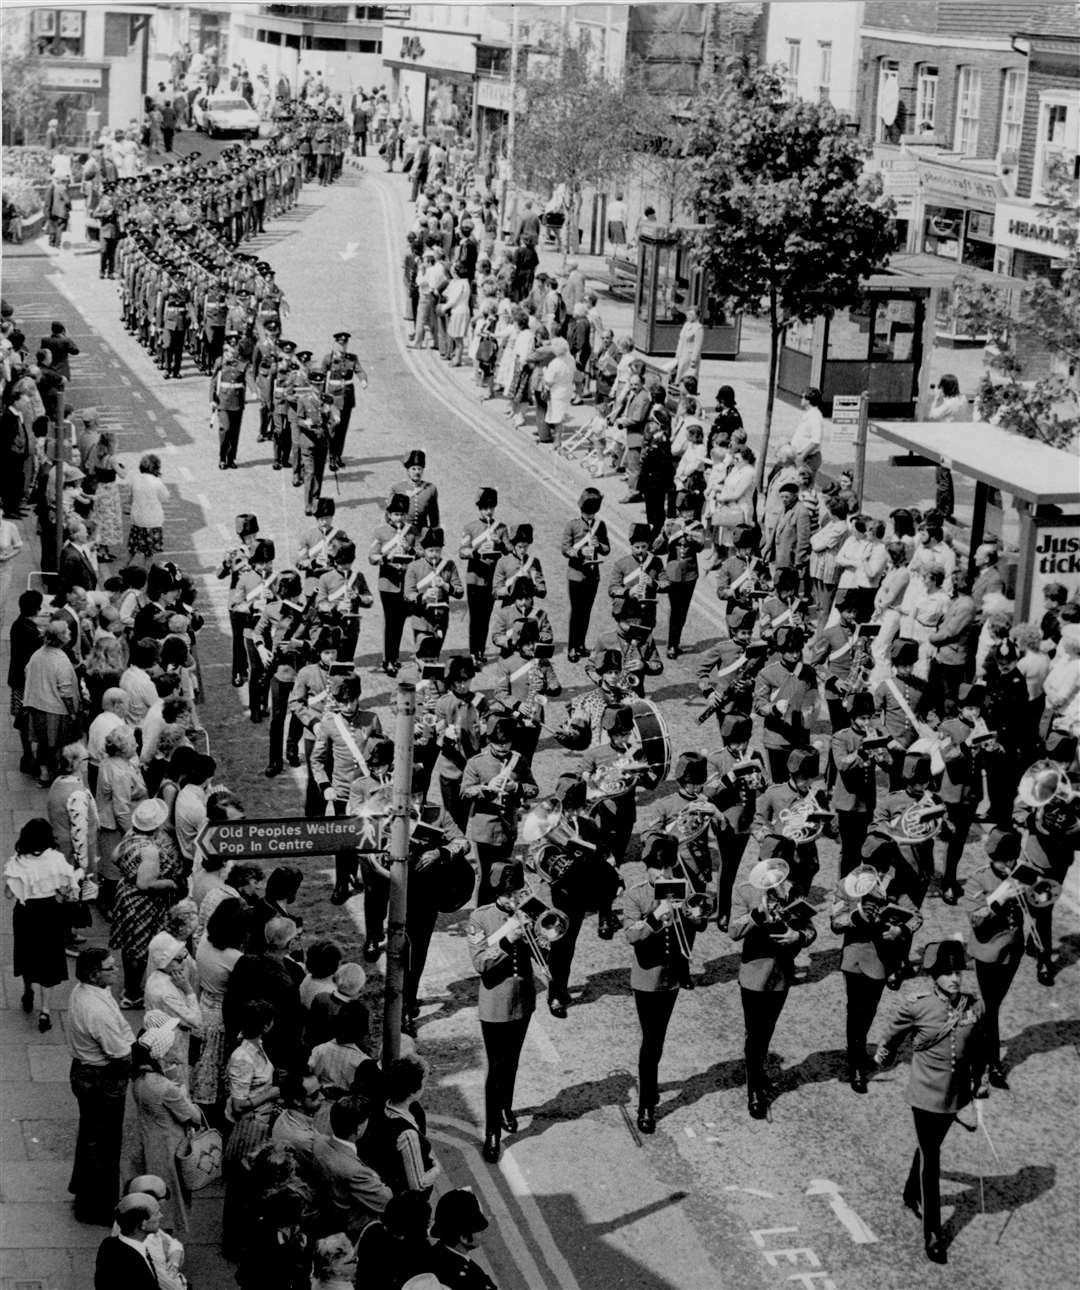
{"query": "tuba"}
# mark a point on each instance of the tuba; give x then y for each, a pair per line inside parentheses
(1046, 787)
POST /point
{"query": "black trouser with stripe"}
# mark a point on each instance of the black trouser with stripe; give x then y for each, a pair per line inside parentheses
(503, 1042)
(923, 1185)
(761, 1012)
(582, 595)
(863, 996)
(654, 1009)
(481, 601)
(394, 616)
(679, 596)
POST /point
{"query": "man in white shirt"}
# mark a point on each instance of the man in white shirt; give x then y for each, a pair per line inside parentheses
(806, 438)
(137, 683)
(100, 1040)
(190, 807)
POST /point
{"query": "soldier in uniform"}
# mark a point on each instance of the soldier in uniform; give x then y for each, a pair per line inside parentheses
(282, 389)
(961, 789)
(300, 383)
(771, 938)
(855, 762)
(422, 495)
(507, 995)
(739, 573)
(228, 393)
(460, 720)
(947, 1063)
(246, 600)
(341, 592)
(917, 857)
(214, 314)
(484, 540)
(308, 704)
(584, 544)
(877, 928)
(525, 681)
(175, 330)
(519, 562)
(779, 798)
(494, 783)
(727, 671)
(343, 371)
(317, 545)
(392, 551)
(636, 579)
(510, 619)
(430, 583)
(694, 856)
(738, 777)
(585, 718)
(313, 412)
(237, 560)
(897, 696)
(680, 542)
(783, 691)
(264, 366)
(659, 966)
(613, 790)
(279, 639)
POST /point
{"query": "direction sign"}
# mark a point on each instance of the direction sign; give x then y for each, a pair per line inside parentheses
(292, 836)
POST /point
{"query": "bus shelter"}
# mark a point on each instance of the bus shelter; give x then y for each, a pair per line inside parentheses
(1043, 482)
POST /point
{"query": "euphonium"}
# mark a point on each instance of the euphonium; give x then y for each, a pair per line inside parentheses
(1046, 787)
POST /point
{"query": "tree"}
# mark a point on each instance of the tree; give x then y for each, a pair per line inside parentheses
(576, 128)
(1043, 320)
(25, 102)
(665, 161)
(794, 227)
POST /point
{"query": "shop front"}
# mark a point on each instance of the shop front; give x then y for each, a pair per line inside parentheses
(433, 73)
(954, 212)
(1031, 239)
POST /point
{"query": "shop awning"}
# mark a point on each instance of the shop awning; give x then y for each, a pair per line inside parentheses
(1023, 467)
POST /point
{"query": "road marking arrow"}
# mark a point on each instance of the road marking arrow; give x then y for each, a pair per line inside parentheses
(856, 1228)
(351, 249)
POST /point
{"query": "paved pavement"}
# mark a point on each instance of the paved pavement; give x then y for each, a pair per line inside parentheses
(713, 1200)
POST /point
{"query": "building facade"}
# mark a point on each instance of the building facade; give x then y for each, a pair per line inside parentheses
(822, 59)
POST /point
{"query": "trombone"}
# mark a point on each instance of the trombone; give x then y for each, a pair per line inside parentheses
(540, 928)
(698, 905)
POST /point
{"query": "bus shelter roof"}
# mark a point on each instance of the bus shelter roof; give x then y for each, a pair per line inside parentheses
(1023, 467)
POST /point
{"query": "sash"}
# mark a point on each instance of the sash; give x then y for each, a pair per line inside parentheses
(256, 591)
(523, 670)
(519, 573)
(638, 575)
(481, 538)
(593, 530)
(350, 743)
(339, 592)
(388, 548)
(435, 573)
(324, 542)
(844, 649)
(732, 667)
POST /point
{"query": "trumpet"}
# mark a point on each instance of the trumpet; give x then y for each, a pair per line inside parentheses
(540, 927)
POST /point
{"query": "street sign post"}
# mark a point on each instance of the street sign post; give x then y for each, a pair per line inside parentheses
(292, 837)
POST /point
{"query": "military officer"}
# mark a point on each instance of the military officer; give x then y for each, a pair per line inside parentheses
(431, 581)
(507, 995)
(659, 966)
(485, 539)
(519, 562)
(228, 392)
(947, 1063)
(392, 551)
(680, 543)
(343, 373)
(422, 494)
(584, 544)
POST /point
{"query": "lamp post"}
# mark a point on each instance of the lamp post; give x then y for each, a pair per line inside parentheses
(400, 827)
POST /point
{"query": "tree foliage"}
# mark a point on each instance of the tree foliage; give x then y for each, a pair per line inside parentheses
(665, 159)
(1046, 318)
(25, 103)
(794, 226)
(576, 127)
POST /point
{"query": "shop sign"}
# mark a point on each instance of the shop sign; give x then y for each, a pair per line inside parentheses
(1026, 228)
(493, 94)
(945, 184)
(1055, 558)
(429, 50)
(73, 78)
(899, 179)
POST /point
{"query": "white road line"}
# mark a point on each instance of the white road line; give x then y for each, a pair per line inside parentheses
(151, 414)
(750, 1191)
(186, 473)
(171, 449)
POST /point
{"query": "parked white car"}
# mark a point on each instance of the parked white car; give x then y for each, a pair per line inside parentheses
(225, 115)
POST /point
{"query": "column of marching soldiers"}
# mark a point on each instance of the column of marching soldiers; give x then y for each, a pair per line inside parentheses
(902, 768)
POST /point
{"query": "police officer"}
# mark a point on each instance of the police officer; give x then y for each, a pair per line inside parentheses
(343, 371)
(507, 996)
(584, 544)
(659, 966)
(228, 393)
(393, 549)
(947, 1062)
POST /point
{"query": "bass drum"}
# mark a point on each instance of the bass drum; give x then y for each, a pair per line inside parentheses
(452, 883)
(653, 740)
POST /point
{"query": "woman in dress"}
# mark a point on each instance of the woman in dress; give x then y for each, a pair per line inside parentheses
(169, 990)
(146, 536)
(520, 344)
(163, 1113)
(217, 953)
(688, 346)
(732, 503)
(455, 309)
(107, 472)
(728, 418)
(120, 789)
(559, 377)
(40, 881)
(250, 1108)
(151, 879)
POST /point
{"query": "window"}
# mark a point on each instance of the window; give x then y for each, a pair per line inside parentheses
(926, 86)
(794, 57)
(117, 35)
(1058, 142)
(824, 70)
(58, 33)
(888, 101)
(1012, 111)
(968, 96)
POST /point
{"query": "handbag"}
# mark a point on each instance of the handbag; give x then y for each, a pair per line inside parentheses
(198, 1157)
(727, 515)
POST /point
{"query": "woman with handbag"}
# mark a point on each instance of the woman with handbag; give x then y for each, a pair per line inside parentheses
(732, 503)
(169, 990)
(164, 1112)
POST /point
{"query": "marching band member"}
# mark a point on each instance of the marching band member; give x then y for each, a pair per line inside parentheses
(608, 771)
(784, 606)
(877, 926)
(780, 799)
(525, 680)
(636, 579)
(393, 549)
(430, 582)
(341, 592)
(237, 559)
(903, 704)
(519, 562)
(369, 798)
(494, 782)
(689, 804)
(947, 1063)
(460, 717)
(839, 653)
(855, 752)
(584, 723)
(659, 967)
(771, 920)
(739, 777)
(246, 600)
(318, 543)
(584, 544)
(510, 618)
(996, 912)
(783, 690)
(738, 574)
(422, 495)
(507, 995)
(728, 670)
(961, 789)
(279, 639)
(633, 640)
(484, 541)
(681, 541)
(308, 702)
(917, 856)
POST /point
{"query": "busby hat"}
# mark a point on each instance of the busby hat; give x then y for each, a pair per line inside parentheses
(847, 599)
(416, 457)
(571, 792)
(344, 552)
(590, 500)
(735, 728)
(507, 876)
(264, 552)
(246, 524)
(861, 703)
(956, 729)
(1003, 845)
(487, 498)
(789, 640)
(606, 660)
(617, 720)
(328, 639)
(523, 587)
(433, 538)
(742, 536)
(639, 533)
(459, 667)
(523, 533)
(500, 729)
(324, 508)
(917, 767)
(398, 504)
(774, 846)
(688, 501)
(741, 618)
(803, 761)
(691, 768)
(971, 695)
(904, 653)
(661, 851)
